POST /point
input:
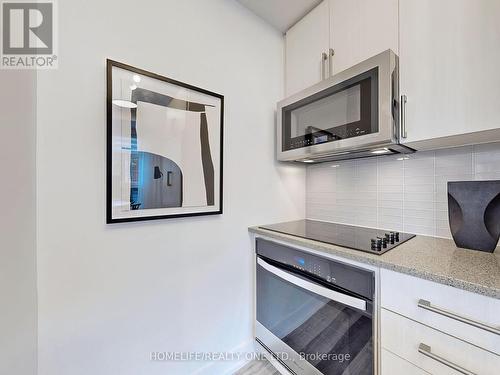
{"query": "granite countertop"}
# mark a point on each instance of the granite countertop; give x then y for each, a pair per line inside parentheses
(435, 259)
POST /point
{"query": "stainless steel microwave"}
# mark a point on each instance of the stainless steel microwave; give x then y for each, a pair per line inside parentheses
(353, 114)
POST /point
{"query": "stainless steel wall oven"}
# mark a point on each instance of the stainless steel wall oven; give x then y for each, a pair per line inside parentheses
(314, 315)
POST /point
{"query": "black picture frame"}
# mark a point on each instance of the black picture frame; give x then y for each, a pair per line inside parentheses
(110, 64)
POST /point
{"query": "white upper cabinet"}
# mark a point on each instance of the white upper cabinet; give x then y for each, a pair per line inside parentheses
(306, 41)
(450, 71)
(336, 35)
(449, 61)
(360, 29)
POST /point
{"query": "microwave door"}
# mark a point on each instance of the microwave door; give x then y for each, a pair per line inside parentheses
(343, 111)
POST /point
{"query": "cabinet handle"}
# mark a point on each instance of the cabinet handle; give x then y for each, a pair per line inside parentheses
(339, 297)
(403, 116)
(330, 58)
(426, 350)
(438, 310)
(324, 58)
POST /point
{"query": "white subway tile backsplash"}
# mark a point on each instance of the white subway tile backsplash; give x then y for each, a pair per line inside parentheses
(388, 193)
(411, 180)
(442, 206)
(487, 148)
(424, 205)
(488, 176)
(420, 229)
(395, 191)
(390, 226)
(320, 181)
(455, 161)
(413, 191)
(442, 216)
(442, 179)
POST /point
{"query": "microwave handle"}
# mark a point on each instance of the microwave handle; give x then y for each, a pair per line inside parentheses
(342, 298)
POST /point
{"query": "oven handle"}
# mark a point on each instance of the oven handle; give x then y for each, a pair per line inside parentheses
(342, 298)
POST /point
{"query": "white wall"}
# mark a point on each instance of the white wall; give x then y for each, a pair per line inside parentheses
(17, 223)
(109, 295)
(394, 192)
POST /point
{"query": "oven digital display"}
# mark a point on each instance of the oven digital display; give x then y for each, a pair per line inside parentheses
(300, 261)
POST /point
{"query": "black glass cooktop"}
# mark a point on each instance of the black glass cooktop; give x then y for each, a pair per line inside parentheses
(371, 240)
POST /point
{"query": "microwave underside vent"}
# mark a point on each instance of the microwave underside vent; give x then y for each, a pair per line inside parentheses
(358, 154)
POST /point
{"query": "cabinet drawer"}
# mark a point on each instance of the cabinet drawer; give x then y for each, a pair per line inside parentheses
(404, 337)
(394, 365)
(462, 314)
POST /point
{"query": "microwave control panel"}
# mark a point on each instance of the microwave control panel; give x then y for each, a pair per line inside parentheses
(324, 136)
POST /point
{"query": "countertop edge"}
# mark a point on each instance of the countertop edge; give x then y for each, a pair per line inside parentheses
(347, 253)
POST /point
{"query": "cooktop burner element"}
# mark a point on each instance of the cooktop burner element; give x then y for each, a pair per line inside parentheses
(371, 240)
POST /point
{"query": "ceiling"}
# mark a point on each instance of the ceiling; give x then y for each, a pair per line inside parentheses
(280, 13)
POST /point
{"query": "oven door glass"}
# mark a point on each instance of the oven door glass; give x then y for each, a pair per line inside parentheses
(332, 336)
(348, 109)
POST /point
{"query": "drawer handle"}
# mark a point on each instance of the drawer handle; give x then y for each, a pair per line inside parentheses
(427, 306)
(426, 350)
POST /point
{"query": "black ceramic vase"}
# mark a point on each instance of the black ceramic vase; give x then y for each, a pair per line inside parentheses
(474, 214)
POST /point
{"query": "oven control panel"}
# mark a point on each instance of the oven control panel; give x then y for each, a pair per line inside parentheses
(344, 275)
(315, 267)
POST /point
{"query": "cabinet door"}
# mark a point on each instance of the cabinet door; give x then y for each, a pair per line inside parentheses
(449, 69)
(394, 365)
(360, 29)
(305, 42)
(402, 293)
(432, 350)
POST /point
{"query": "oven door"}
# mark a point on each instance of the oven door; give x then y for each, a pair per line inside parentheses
(309, 327)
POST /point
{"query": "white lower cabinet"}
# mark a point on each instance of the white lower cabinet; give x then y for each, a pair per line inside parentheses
(433, 328)
(394, 365)
(432, 350)
(469, 316)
